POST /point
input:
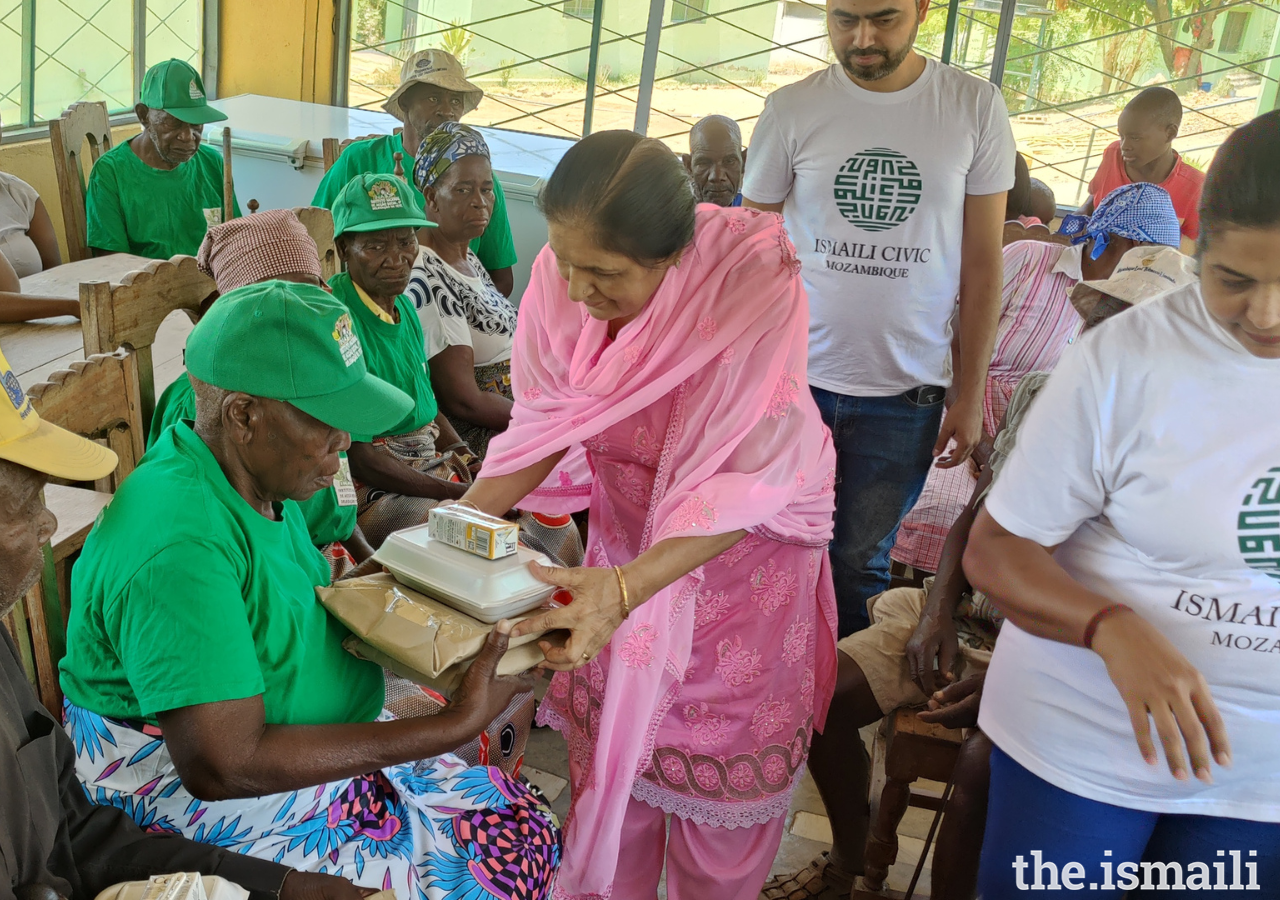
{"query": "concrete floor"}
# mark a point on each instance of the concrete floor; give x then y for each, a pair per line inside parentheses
(807, 832)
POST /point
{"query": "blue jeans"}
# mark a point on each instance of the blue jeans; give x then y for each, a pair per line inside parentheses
(884, 447)
(1037, 830)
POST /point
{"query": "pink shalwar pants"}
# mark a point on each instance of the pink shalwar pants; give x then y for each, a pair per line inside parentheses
(703, 862)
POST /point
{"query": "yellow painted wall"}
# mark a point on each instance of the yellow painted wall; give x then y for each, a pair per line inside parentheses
(32, 161)
(280, 48)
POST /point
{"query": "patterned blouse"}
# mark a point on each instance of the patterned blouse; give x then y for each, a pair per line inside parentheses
(461, 309)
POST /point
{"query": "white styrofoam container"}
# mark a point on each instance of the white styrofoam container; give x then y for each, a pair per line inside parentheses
(485, 589)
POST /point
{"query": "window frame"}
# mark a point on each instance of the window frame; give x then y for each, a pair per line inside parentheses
(694, 12)
(583, 10)
(28, 126)
(1005, 21)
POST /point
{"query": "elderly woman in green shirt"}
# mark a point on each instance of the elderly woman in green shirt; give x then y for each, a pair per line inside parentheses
(272, 245)
(208, 691)
(404, 471)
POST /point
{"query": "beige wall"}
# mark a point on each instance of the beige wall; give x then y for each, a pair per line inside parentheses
(280, 48)
(32, 161)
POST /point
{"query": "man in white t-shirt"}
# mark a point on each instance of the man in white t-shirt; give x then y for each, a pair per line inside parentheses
(892, 172)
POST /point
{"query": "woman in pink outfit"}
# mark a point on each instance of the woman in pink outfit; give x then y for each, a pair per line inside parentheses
(670, 342)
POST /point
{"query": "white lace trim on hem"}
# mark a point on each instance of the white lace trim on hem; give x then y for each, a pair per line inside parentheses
(724, 814)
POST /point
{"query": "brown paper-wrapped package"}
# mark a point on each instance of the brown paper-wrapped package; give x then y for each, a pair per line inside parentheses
(416, 637)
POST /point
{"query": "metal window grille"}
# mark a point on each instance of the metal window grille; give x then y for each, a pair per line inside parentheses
(56, 52)
(1067, 67)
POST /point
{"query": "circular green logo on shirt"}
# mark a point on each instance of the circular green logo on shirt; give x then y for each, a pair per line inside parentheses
(878, 189)
(1258, 524)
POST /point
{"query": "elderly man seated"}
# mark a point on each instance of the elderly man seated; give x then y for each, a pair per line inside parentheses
(273, 245)
(208, 692)
(56, 842)
(157, 194)
(933, 644)
(716, 160)
(1036, 325)
(433, 90)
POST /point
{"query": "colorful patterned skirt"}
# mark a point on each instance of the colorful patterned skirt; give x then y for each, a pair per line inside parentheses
(435, 829)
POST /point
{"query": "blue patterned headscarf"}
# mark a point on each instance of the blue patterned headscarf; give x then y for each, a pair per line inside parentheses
(442, 148)
(1141, 212)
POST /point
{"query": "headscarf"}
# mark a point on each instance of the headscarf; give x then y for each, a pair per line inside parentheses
(1141, 212)
(726, 337)
(442, 148)
(256, 248)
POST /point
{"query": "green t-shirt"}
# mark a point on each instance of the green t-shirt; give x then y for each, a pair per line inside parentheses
(133, 208)
(395, 353)
(185, 594)
(327, 519)
(495, 248)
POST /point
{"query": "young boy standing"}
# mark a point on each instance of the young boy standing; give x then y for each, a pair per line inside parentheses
(1147, 127)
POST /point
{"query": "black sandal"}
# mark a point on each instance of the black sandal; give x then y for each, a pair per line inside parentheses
(820, 880)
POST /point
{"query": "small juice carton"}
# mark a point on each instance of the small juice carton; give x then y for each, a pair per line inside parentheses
(471, 530)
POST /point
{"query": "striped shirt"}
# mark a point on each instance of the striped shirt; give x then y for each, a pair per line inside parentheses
(1037, 322)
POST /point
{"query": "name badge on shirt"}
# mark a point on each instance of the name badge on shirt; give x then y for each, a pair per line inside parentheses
(343, 485)
(213, 217)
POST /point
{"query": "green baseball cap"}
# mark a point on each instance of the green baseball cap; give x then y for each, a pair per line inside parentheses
(295, 343)
(373, 202)
(176, 88)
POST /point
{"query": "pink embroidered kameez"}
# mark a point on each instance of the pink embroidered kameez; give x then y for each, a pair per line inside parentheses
(728, 751)
(695, 420)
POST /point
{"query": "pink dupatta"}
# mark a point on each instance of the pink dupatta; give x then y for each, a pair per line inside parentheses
(727, 333)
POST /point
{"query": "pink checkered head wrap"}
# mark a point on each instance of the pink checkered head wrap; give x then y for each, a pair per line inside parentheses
(258, 247)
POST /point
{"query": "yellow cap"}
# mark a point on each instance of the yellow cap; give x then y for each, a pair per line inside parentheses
(28, 441)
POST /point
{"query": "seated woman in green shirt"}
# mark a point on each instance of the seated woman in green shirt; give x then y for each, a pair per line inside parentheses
(403, 471)
(207, 690)
(262, 247)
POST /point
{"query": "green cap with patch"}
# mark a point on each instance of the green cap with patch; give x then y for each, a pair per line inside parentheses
(373, 202)
(294, 343)
(176, 88)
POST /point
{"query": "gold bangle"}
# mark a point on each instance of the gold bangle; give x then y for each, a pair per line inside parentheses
(622, 586)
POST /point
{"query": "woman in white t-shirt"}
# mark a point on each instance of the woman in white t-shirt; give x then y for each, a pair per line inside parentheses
(468, 323)
(1133, 541)
(27, 238)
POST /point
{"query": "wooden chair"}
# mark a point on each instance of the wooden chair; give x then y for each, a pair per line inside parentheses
(98, 399)
(319, 224)
(82, 122)
(905, 750)
(1016, 231)
(331, 148)
(228, 183)
(130, 313)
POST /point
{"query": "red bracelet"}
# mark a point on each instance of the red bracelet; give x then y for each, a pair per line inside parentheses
(1097, 620)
